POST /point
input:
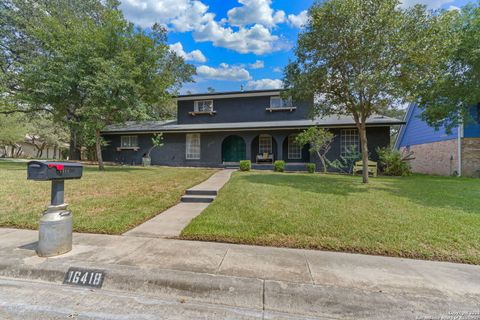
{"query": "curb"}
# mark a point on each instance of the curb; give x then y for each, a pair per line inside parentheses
(184, 285)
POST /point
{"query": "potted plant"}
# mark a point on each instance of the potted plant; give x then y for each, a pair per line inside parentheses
(157, 141)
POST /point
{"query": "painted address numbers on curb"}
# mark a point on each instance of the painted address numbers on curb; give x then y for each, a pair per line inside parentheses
(84, 277)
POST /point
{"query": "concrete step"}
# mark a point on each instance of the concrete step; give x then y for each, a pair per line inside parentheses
(201, 192)
(198, 198)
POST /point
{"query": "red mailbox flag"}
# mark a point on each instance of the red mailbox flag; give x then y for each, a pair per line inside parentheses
(59, 167)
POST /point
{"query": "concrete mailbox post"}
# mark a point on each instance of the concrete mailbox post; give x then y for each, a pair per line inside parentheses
(55, 229)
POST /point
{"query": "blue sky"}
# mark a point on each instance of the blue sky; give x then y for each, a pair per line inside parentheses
(234, 43)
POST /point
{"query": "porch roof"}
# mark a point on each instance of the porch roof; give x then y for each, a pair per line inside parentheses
(173, 126)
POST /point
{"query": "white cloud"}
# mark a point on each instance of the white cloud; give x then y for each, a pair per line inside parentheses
(255, 12)
(195, 16)
(299, 20)
(454, 8)
(253, 34)
(278, 70)
(265, 84)
(195, 55)
(256, 39)
(432, 4)
(257, 65)
(223, 72)
(146, 12)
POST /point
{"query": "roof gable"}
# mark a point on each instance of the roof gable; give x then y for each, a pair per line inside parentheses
(416, 131)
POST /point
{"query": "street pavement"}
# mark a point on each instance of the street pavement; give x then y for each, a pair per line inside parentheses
(31, 300)
(225, 281)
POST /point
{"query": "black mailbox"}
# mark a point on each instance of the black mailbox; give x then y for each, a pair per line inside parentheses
(50, 170)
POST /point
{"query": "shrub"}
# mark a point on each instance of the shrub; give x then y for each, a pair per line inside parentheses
(311, 167)
(245, 165)
(346, 162)
(393, 162)
(279, 166)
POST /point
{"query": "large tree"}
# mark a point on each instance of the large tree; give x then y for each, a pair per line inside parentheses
(447, 100)
(361, 57)
(43, 133)
(12, 131)
(86, 65)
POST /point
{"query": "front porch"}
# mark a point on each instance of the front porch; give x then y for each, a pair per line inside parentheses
(289, 166)
(264, 149)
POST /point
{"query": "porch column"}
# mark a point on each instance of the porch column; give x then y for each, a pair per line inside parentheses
(279, 140)
(248, 146)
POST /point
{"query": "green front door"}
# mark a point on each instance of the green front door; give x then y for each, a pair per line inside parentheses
(233, 149)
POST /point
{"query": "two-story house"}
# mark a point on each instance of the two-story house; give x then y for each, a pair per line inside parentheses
(438, 151)
(220, 129)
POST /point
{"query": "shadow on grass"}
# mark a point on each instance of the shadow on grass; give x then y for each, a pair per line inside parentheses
(336, 185)
(22, 166)
(429, 191)
(436, 192)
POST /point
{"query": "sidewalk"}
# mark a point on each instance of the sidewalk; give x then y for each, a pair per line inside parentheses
(291, 281)
(172, 221)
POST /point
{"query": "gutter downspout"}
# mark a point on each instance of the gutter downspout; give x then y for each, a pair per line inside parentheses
(459, 148)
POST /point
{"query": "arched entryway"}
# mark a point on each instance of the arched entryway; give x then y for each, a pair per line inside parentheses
(233, 149)
(264, 145)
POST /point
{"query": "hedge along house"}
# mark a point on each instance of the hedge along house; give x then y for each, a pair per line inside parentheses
(438, 151)
(220, 129)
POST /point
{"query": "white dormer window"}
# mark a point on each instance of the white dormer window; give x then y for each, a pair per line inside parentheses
(278, 103)
(203, 106)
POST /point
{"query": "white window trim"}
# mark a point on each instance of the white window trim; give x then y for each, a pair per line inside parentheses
(198, 102)
(348, 138)
(270, 147)
(192, 151)
(293, 154)
(129, 144)
(283, 103)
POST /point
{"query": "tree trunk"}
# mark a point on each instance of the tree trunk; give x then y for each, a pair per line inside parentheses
(98, 146)
(322, 159)
(363, 142)
(19, 152)
(40, 150)
(74, 150)
(54, 152)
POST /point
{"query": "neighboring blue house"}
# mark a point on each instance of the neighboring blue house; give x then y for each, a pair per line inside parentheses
(438, 151)
(220, 129)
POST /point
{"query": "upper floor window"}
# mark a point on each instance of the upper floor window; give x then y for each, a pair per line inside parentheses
(192, 150)
(278, 103)
(294, 148)
(349, 141)
(203, 106)
(129, 141)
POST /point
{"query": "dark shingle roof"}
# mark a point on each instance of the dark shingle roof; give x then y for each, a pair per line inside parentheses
(221, 93)
(173, 126)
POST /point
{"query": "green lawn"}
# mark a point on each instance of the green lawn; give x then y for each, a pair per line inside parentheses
(111, 202)
(424, 217)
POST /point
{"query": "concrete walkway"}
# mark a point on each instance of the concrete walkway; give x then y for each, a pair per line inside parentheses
(171, 222)
(320, 285)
